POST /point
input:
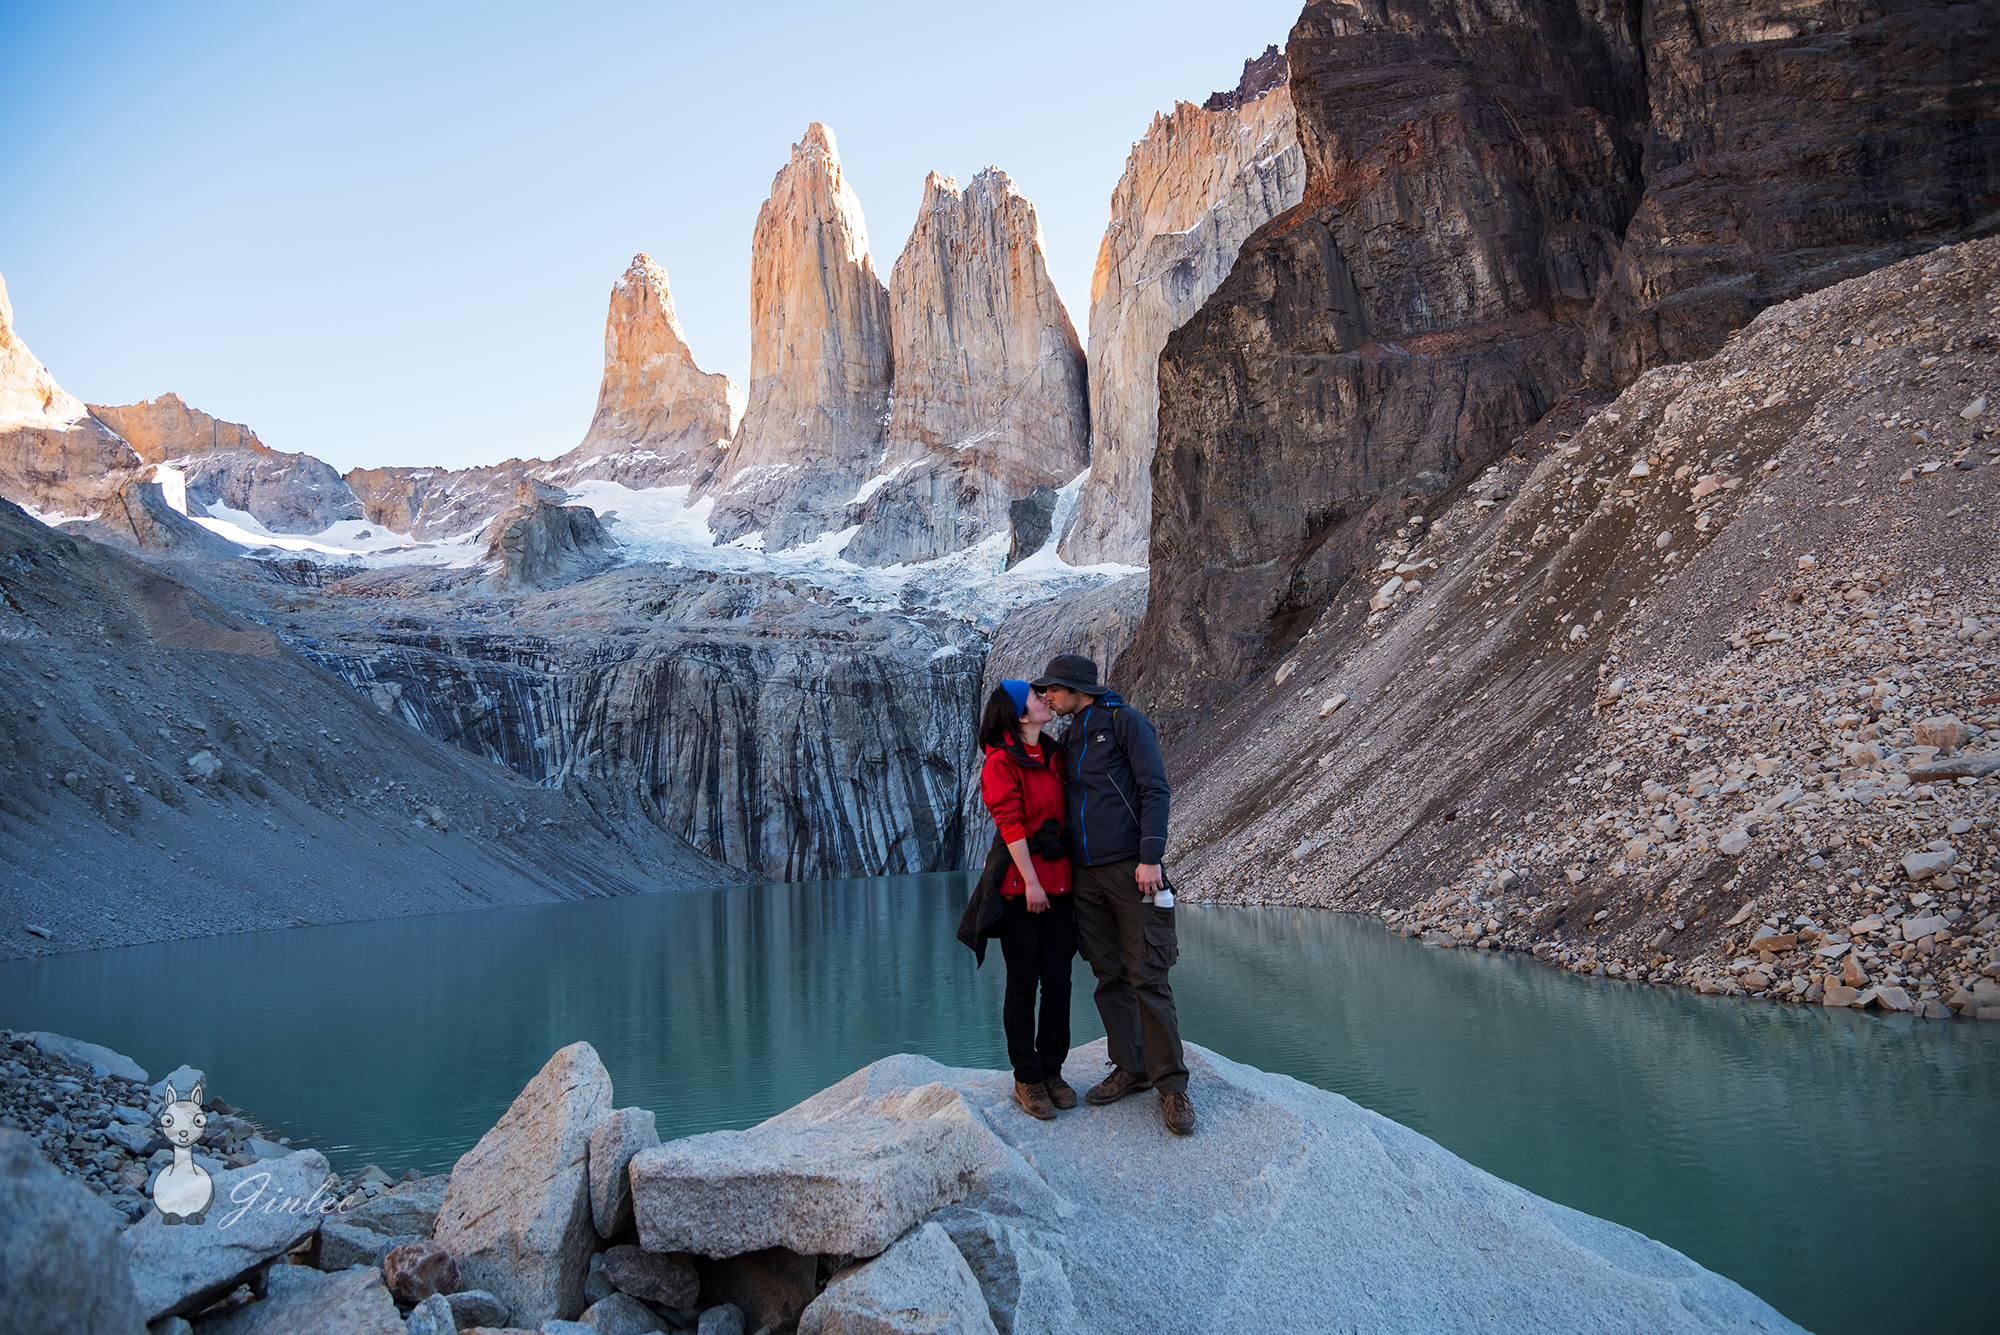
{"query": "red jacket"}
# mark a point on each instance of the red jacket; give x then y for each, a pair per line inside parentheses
(1020, 797)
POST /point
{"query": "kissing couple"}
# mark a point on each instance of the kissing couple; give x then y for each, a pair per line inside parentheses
(1080, 831)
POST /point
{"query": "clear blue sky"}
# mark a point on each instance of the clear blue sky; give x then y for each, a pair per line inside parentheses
(385, 234)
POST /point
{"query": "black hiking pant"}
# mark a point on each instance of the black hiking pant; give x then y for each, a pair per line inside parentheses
(1038, 948)
(1130, 946)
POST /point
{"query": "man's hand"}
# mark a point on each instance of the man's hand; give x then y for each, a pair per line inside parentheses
(1038, 899)
(1150, 878)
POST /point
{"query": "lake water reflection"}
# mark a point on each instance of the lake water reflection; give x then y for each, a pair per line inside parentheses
(1842, 1166)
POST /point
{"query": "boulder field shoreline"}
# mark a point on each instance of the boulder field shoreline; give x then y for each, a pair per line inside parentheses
(908, 1197)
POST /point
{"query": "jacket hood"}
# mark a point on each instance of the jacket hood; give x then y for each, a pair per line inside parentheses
(1019, 753)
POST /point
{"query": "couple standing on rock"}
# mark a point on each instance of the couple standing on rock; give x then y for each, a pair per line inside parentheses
(1082, 827)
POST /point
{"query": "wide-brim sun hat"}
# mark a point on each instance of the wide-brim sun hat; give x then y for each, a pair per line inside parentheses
(1074, 671)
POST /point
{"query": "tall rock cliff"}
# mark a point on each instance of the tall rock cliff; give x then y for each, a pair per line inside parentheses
(991, 395)
(660, 418)
(54, 456)
(820, 360)
(225, 464)
(1203, 179)
(1495, 200)
(1790, 149)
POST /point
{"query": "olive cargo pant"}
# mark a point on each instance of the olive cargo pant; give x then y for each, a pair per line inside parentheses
(1130, 946)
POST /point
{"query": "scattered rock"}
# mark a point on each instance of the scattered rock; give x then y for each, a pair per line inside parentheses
(416, 1270)
(477, 1307)
(668, 1279)
(621, 1315)
(83, 1056)
(516, 1217)
(726, 1319)
(919, 1286)
(301, 1301)
(343, 1245)
(432, 1316)
(612, 1144)
(1926, 864)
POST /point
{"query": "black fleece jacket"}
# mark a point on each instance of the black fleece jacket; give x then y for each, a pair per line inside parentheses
(1114, 784)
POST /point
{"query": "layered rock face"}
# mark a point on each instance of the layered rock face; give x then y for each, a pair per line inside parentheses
(1203, 179)
(225, 464)
(433, 503)
(1496, 210)
(991, 395)
(783, 732)
(660, 418)
(54, 456)
(820, 358)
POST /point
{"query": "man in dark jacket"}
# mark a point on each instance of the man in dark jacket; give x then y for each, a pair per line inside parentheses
(1116, 789)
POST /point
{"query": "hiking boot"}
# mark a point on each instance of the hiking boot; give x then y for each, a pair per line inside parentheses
(1178, 1109)
(1060, 1093)
(1034, 1101)
(1116, 1086)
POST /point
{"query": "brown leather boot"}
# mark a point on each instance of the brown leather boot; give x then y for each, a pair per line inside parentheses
(1060, 1093)
(1034, 1101)
(1116, 1086)
(1178, 1110)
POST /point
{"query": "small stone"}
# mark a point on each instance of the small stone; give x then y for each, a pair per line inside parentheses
(1915, 929)
(666, 1278)
(1922, 866)
(342, 1245)
(621, 1315)
(1838, 995)
(432, 1317)
(33, 929)
(477, 1307)
(1944, 731)
(82, 1056)
(1742, 915)
(726, 1319)
(1973, 409)
(1330, 704)
(1733, 843)
(416, 1270)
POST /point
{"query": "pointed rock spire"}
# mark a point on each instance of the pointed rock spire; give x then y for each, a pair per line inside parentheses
(660, 418)
(820, 362)
(1194, 189)
(991, 388)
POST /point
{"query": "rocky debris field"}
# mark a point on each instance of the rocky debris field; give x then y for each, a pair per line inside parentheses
(909, 1197)
(1697, 687)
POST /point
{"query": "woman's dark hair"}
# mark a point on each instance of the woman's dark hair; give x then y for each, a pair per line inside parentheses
(1001, 720)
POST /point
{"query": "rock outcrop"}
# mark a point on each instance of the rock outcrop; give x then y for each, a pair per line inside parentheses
(1203, 179)
(431, 503)
(820, 358)
(139, 517)
(538, 543)
(1568, 196)
(225, 464)
(660, 420)
(991, 394)
(55, 457)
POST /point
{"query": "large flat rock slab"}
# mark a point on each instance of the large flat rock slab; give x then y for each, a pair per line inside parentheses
(516, 1216)
(850, 1182)
(302, 1301)
(259, 1212)
(1290, 1209)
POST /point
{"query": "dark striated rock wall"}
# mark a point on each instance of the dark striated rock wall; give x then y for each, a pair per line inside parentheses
(773, 727)
(1467, 179)
(1502, 204)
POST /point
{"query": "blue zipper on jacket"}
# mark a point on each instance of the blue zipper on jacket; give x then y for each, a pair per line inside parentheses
(1082, 825)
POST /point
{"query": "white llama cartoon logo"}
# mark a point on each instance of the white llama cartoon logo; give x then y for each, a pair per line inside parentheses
(185, 1190)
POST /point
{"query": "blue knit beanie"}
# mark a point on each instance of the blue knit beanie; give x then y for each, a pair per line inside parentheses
(1017, 691)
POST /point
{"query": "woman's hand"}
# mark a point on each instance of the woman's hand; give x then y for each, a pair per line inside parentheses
(1038, 900)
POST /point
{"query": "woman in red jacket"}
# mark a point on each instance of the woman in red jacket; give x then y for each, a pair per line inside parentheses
(1023, 787)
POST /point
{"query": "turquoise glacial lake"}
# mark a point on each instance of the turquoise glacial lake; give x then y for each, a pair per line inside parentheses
(1844, 1167)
